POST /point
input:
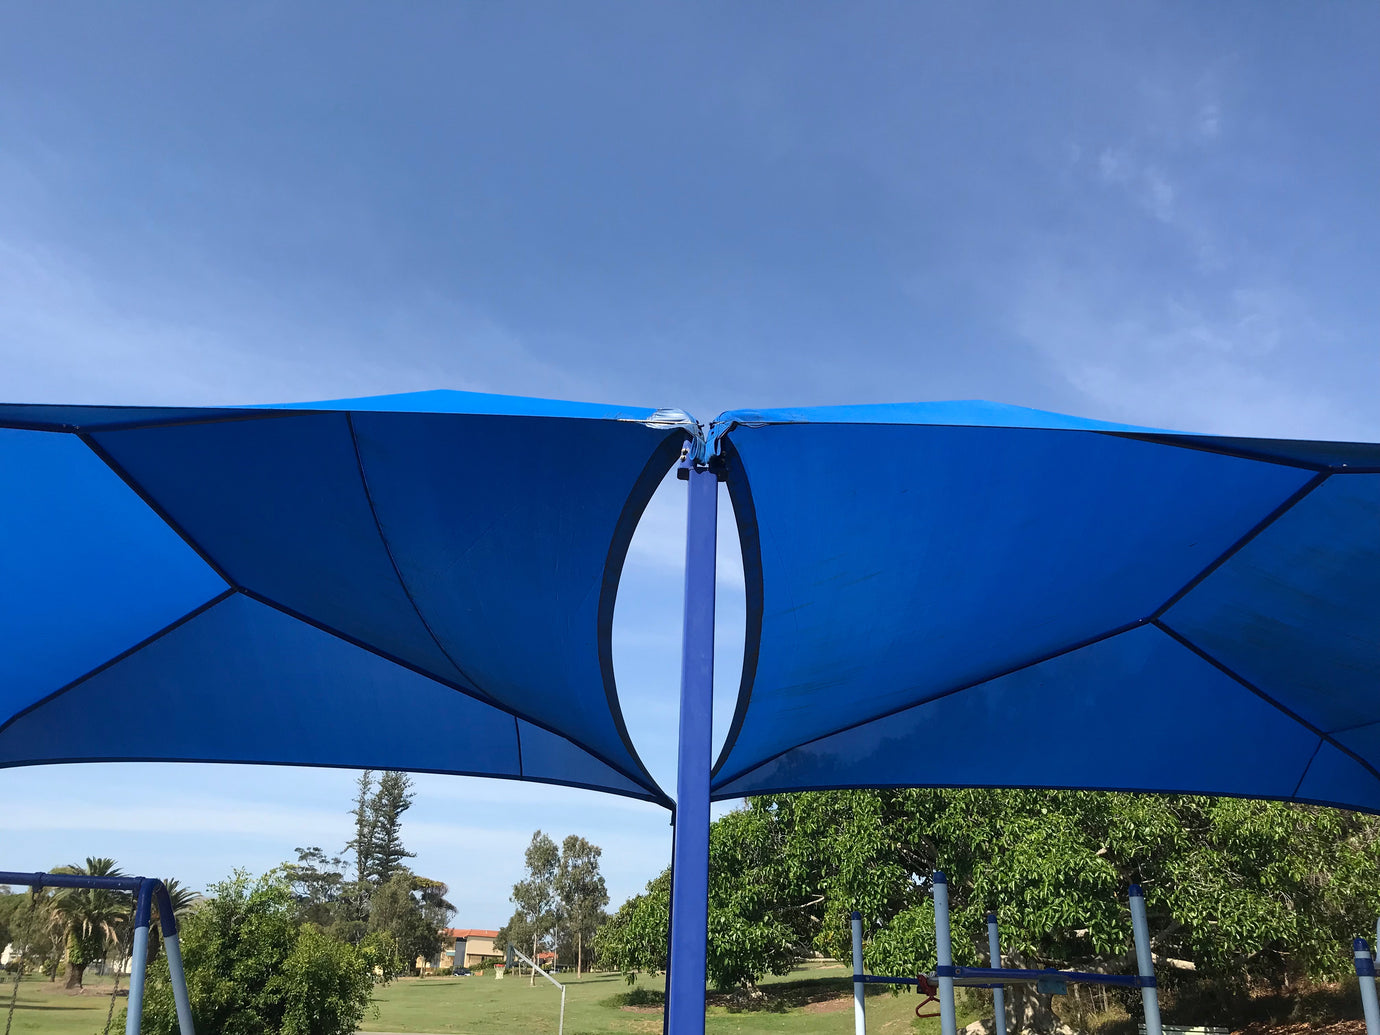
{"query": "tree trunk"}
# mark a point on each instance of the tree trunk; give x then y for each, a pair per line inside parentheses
(74, 974)
(534, 961)
(579, 951)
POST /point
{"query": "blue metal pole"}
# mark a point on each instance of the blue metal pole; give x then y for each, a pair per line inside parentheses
(177, 976)
(690, 884)
(1365, 977)
(859, 989)
(139, 957)
(994, 952)
(1145, 962)
(948, 1018)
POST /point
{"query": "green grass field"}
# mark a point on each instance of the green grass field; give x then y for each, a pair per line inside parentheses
(815, 1001)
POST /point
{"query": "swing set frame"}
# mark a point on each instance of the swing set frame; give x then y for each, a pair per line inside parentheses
(946, 976)
(145, 890)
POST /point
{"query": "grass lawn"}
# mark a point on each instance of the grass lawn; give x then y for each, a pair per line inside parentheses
(46, 1007)
(816, 1001)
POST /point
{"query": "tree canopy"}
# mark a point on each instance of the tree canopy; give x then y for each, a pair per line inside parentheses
(1238, 891)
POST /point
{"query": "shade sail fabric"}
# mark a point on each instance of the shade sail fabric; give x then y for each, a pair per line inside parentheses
(965, 594)
(420, 582)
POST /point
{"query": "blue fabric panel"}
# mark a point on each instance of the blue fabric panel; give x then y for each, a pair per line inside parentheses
(1336, 777)
(87, 569)
(280, 506)
(505, 553)
(1296, 611)
(1134, 712)
(94, 418)
(244, 683)
(547, 757)
(899, 562)
(967, 413)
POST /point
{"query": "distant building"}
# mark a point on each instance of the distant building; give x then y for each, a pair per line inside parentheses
(467, 947)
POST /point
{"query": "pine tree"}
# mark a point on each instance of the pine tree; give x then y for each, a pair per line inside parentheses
(386, 852)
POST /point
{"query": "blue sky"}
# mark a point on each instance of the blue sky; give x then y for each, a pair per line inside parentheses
(1162, 214)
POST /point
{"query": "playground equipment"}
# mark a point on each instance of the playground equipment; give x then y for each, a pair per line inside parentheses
(536, 969)
(145, 890)
(940, 985)
(1365, 979)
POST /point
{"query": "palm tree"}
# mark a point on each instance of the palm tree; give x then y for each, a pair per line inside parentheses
(88, 918)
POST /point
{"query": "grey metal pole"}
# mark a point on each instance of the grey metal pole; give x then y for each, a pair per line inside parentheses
(167, 921)
(994, 952)
(178, 978)
(859, 989)
(948, 1018)
(139, 958)
(1145, 962)
(1365, 978)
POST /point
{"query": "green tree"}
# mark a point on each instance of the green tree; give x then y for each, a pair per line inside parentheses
(386, 852)
(756, 925)
(89, 919)
(634, 939)
(1240, 892)
(252, 969)
(397, 909)
(534, 898)
(318, 886)
(581, 896)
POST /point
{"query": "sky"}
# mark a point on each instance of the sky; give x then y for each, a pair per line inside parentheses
(1156, 213)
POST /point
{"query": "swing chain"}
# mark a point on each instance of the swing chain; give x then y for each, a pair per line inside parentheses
(125, 948)
(23, 955)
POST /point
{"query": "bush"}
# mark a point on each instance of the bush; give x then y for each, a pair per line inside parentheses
(252, 970)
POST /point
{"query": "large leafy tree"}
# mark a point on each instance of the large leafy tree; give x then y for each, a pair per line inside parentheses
(1238, 891)
(89, 920)
(410, 910)
(534, 897)
(581, 897)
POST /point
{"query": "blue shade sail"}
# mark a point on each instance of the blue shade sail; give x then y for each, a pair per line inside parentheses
(973, 595)
(419, 582)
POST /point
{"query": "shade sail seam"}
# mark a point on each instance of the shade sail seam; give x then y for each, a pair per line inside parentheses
(1130, 626)
(517, 739)
(1309, 765)
(139, 425)
(1354, 726)
(552, 781)
(1178, 442)
(629, 517)
(138, 489)
(1285, 709)
(458, 687)
(393, 563)
(750, 546)
(1297, 497)
(196, 612)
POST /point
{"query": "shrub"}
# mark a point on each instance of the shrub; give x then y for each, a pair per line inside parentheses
(252, 970)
